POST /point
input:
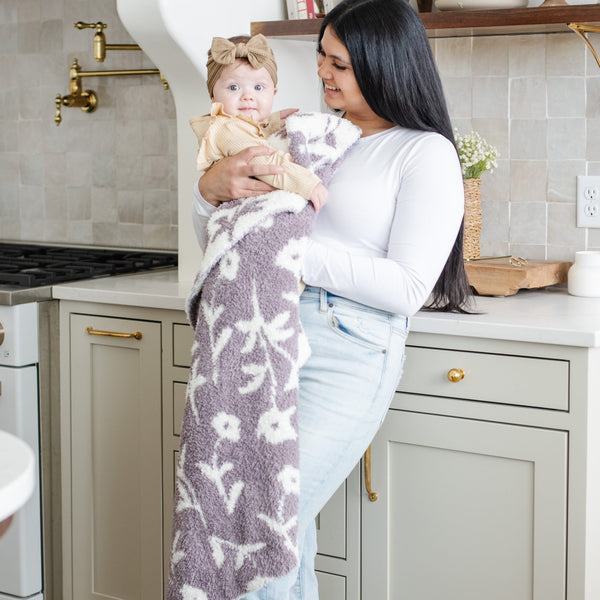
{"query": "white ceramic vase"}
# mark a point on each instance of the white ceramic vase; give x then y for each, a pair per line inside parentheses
(584, 275)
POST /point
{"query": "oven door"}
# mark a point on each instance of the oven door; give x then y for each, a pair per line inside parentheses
(21, 545)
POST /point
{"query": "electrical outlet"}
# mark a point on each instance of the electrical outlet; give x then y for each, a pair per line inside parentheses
(588, 201)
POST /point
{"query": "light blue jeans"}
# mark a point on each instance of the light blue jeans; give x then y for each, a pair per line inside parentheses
(346, 387)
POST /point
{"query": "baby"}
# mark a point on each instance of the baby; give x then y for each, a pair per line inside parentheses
(242, 79)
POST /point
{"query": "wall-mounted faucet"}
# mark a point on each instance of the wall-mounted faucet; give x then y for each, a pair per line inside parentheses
(87, 100)
(100, 45)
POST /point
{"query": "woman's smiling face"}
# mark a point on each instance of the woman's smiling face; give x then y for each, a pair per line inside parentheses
(335, 69)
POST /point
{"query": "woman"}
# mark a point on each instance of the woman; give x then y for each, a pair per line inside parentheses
(388, 241)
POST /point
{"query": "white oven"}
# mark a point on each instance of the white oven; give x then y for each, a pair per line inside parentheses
(21, 567)
(31, 549)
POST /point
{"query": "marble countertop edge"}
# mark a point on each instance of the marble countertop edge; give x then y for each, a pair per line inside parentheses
(549, 316)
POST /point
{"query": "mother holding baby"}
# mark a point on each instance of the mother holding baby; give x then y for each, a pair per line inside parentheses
(387, 243)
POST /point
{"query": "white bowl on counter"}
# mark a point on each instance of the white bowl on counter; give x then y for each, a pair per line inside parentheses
(479, 4)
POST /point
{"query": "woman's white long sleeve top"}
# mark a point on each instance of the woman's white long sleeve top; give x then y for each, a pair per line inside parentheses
(394, 208)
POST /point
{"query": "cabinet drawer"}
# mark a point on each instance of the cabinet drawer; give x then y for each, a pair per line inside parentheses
(331, 586)
(183, 338)
(331, 525)
(488, 377)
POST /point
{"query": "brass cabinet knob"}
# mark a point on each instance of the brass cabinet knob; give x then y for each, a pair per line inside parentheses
(455, 375)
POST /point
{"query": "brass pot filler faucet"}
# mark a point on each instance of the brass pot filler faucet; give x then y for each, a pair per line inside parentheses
(87, 100)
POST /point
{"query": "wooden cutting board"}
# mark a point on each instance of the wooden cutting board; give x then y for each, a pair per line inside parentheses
(497, 277)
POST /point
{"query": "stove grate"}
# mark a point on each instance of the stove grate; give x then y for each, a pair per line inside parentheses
(29, 265)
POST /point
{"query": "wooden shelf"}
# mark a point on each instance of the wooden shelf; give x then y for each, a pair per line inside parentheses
(459, 23)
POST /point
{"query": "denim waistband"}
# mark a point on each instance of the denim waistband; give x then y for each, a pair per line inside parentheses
(326, 299)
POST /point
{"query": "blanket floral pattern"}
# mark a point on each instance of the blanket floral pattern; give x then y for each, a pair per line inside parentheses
(237, 478)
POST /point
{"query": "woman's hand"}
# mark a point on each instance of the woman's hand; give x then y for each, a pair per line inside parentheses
(233, 177)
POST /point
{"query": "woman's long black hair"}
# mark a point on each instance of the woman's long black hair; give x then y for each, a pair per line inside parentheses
(396, 73)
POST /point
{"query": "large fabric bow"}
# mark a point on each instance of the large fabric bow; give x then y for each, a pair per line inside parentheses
(256, 50)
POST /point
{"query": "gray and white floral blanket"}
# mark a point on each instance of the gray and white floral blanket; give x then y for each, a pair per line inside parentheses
(237, 478)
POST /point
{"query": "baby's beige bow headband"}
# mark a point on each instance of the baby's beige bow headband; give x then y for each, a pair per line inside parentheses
(223, 52)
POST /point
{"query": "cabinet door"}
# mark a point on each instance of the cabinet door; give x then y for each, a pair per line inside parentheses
(116, 460)
(467, 510)
(338, 539)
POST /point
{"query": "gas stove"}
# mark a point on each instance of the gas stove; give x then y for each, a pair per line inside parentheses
(28, 271)
(29, 372)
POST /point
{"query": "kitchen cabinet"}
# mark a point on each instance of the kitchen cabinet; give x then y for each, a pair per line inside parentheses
(467, 510)
(176, 362)
(487, 484)
(339, 543)
(111, 418)
(542, 19)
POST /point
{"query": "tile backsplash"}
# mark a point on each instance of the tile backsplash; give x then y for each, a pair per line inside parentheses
(103, 178)
(110, 177)
(537, 99)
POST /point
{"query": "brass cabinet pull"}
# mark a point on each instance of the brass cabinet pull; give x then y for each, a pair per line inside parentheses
(456, 375)
(137, 335)
(373, 496)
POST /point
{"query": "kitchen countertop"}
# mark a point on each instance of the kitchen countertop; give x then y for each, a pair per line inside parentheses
(549, 316)
(11, 295)
(17, 474)
(151, 290)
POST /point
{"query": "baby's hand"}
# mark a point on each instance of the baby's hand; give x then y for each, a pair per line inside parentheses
(285, 113)
(318, 197)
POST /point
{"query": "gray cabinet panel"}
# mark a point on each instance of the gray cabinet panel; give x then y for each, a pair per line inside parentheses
(115, 462)
(467, 510)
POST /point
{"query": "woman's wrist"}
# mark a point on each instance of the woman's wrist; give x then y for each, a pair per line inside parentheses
(206, 196)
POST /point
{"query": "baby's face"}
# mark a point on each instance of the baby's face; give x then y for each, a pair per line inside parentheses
(245, 91)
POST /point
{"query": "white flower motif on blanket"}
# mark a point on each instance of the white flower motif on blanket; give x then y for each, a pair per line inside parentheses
(265, 333)
(176, 553)
(218, 339)
(276, 425)
(215, 473)
(227, 426)
(269, 335)
(290, 257)
(219, 546)
(196, 380)
(187, 496)
(289, 477)
(191, 593)
(229, 265)
(257, 583)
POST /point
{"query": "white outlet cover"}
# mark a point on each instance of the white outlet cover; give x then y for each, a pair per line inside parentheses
(588, 201)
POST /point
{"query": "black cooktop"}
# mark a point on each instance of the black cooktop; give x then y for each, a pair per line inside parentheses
(32, 265)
